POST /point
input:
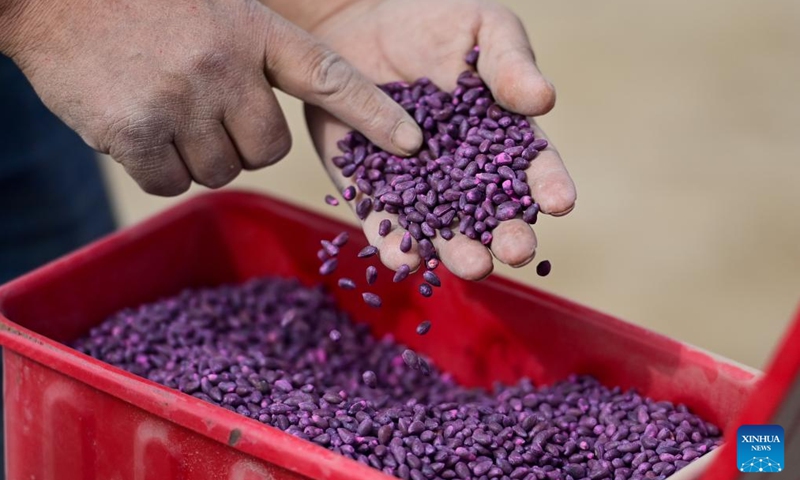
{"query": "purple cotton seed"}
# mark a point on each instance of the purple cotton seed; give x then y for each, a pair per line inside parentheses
(543, 268)
(424, 327)
(341, 239)
(507, 211)
(329, 266)
(425, 290)
(410, 358)
(349, 193)
(331, 249)
(372, 275)
(368, 251)
(331, 200)
(432, 263)
(486, 238)
(531, 214)
(405, 243)
(432, 278)
(370, 379)
(384, 227)
(401, 273)
(419, 422)
(322, 255)
(372, 300)
(363, 208)
(346, 283)
(335, 335)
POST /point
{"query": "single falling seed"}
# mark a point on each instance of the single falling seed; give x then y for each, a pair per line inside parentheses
(425, 290)
(432, 263)
(372, 274)
(543, 269)
(367, 251)
(411, 358)
(401, 273)
(329, 266)
(341, 239)
(384, 227)
(322, 255)
(370, 379)
(405, 243)
(288, 317)
(423, 366)
(335, 335)
(347, 284)
(331, 200)
(349, 193)
(329, 248)
(424, 327)
(371, 299)
(432, 278)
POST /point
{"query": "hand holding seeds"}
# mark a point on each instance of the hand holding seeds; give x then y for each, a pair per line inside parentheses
(181, 91)
(492, 168)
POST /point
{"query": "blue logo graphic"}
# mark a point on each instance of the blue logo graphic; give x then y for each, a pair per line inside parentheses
(759, 448)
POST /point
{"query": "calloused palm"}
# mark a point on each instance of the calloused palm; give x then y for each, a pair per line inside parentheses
(390, 40)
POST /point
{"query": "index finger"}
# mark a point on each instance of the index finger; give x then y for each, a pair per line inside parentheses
(508, 65)
(305, 68)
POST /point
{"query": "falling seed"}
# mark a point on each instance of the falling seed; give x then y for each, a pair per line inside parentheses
(331, 200)
(349, 193)
(367, 251)
(331, 249)
(322, 255)
(372, 274)
(432, 278)
(425, 290)
(424, 327)
(329, 266)
(341, 239)
(401, 273)
(411, 358)
(347, 284)
(543, 269)
(370, 379)
(371, 299)
(335, 335)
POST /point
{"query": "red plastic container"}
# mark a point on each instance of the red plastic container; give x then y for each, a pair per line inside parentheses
(71, 416)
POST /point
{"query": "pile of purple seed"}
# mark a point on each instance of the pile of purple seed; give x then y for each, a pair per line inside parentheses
(282, 353)
(469, 174)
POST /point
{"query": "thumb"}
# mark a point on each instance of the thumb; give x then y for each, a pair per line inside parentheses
(304, 67)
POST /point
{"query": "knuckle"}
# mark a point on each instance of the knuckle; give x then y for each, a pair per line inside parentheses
(137, 133)
(156, 176)
(330, 74)
(209, 62)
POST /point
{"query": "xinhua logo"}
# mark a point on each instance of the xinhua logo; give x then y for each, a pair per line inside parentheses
(759, 448)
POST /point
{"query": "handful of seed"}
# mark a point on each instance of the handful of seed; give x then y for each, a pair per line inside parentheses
(469, 175)
(285, 355)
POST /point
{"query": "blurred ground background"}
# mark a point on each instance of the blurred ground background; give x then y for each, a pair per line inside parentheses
(679, 122)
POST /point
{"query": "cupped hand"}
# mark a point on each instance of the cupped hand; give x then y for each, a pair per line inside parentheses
(391, 40)
(181, 90)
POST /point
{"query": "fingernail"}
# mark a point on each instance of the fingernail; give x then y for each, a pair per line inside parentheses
(407, 137)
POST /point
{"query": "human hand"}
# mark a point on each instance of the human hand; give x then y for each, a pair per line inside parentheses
(391, 40)
(181, 90)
